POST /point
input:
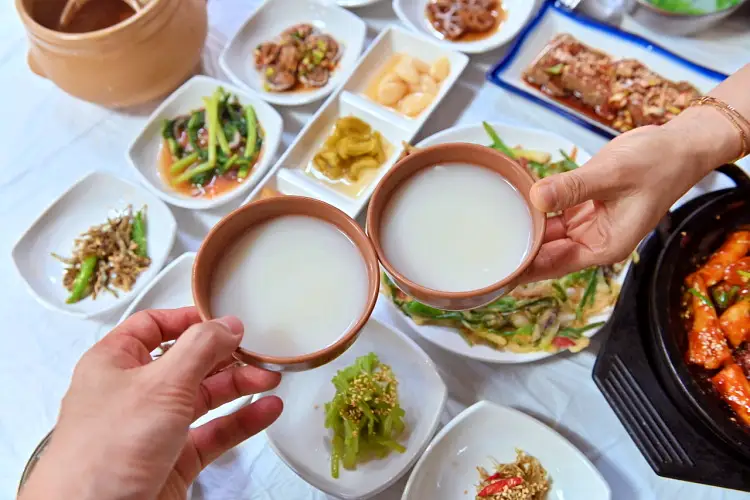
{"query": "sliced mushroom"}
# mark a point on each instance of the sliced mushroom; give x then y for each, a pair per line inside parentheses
(315, 77)
(266, 54)
(279, 79)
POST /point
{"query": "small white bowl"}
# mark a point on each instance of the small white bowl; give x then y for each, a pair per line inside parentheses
(412, 13)
(299, 438)
(269, 21)
(171, 289)
(486, 431)
(143, 153)
(88, 203)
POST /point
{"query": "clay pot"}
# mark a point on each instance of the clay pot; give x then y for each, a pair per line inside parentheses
(140, 59)
(458, 152)
(244, 219)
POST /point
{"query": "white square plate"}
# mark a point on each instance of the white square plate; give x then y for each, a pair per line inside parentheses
(299, 438)
(486, 431)
(172, 289)
(88, 203)
(412, 13)
(552, 21)
(144, 151)
(269, 21)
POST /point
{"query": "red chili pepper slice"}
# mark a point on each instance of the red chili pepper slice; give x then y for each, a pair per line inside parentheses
(562, 342)
(502, 485)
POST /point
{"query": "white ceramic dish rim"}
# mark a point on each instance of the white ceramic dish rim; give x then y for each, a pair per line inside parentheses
(270, 144)
(125, 298)
(479, 406)
(498, 39)
(299, 99)
(353, 4)
(496, 356)
(418, 123)
(422, 449)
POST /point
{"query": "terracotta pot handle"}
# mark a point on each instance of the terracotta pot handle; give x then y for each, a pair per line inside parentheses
(33, 66)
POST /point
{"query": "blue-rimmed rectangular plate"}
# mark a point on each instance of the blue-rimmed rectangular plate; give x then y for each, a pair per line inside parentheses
(553, 20)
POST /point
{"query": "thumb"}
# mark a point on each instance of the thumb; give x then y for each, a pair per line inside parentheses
(563, 191)
(200, 348)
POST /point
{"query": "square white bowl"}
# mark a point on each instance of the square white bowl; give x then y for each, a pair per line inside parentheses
(171, 289)
(412, 13)
(485, 432)
(299, 438)
(143, 153)
(88, 203)
(269, 21)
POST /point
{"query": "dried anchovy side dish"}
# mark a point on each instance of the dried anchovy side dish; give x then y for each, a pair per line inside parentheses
(300, 56)
(549, 315)
(622, 94)
(364, 414)
(107, 257)
(211, 149)
(717, 313)
(524, 479)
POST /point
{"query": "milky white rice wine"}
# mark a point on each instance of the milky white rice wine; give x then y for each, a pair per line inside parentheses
(297, 283)
(456, 228)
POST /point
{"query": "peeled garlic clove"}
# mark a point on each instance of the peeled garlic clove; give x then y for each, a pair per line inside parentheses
(421, 66)
(440, 69)
(407, 71)
(415, 103)
(391, 91)
(428, 85)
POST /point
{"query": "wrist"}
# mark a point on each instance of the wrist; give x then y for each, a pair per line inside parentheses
(705, 140)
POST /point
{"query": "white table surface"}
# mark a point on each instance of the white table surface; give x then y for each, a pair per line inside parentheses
(48, 140)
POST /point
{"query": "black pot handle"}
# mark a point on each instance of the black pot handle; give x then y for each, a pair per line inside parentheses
(738, 176)
(731, 170)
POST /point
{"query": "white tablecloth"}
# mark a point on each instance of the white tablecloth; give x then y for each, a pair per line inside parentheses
(48, 140)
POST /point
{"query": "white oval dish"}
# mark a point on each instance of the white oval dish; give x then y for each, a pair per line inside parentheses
(88, 203)
(269, 21)
(448, 338)
(486, 431)
(353, 4)
(171, 289)
(422, 394)
(143, 152)
(412, 13)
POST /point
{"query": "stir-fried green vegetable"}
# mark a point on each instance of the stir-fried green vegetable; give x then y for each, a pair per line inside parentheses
(83, 279)
(538, 162)
(364, 415)
(222, 138)
(694, 6)
(544, 316)
(139, 234)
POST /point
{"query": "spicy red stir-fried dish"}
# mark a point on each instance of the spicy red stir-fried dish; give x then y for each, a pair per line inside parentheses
(524, 479)
(620, 93)
(718, 311)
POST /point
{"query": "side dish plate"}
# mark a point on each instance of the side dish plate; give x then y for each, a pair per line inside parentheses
(553, 20)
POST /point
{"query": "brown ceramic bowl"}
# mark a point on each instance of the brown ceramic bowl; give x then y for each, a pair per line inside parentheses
(248, 216)
(142, 58)
(453, 153)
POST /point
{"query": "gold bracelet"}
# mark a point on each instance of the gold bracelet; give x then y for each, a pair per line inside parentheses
(738, 121)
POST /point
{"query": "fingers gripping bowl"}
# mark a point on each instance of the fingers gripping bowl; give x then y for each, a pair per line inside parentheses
(464, 188)
(301, 274)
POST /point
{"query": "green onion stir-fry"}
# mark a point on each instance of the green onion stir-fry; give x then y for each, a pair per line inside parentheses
(364, 415)
(539, 163)
(549, 315)
(221, 140)
(108, 256)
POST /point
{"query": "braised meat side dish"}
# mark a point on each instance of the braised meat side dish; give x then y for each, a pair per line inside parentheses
(718, 314)
(300, 57)
(622, 94)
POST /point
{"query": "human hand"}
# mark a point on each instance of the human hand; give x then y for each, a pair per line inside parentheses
(609, 204)
(124, 425)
